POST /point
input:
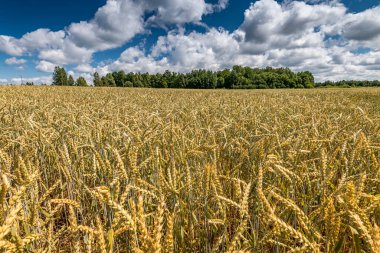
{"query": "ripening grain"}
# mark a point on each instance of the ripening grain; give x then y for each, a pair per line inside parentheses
(139, 170)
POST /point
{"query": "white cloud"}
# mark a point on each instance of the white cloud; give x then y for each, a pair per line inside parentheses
(215, 49)
(85, 75)
(176, 12)
(290, 35)
(315, 35)
(361, 29)
(135, 60)
(179, 52)
(45, 66)
(113, 25)
(50, 46)
(10, 46)
(85, 68)
(42, 39)
(35, 80)
(210, 50)
(270, 25)
(31, 42)
(15, 61)
(222, 4)
(69, 53)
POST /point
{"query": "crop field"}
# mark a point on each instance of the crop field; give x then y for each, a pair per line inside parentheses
(140, 170)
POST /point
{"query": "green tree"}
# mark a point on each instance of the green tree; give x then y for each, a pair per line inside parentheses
(97, 80)
(238, 77)
(231, 80)
(128, 84)
(104, 81)
(81, 82)
(136, 80)
(110, 81)
(60, 76)
(70, 81)
(307, 79)
(119, 77)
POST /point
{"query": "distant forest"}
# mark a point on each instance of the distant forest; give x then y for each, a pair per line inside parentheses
(236, 78)
(349, 83)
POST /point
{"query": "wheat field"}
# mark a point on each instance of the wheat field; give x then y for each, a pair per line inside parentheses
(139, 170)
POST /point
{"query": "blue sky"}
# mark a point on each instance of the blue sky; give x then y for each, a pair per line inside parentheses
(333, 39)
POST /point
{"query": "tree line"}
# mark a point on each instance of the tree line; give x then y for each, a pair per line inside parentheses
(61, 78)
(348, 84)
(236, 78)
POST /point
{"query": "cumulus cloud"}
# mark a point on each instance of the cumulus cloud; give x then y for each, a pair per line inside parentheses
(177, 51)
(42, 39)
(45, 66)
(270, 25)
(361, 29)
(31, 42)
(294, 34)
(211, 50)
(85, 68)
(35, 80)
(134, 60)
(317, 35)
(222, 4)
(113, 25)
(69, 53)
(15, 61)
(177, 12)
(48, 45)
(10, 46)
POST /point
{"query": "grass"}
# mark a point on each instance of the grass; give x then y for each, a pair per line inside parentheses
(141, 170)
